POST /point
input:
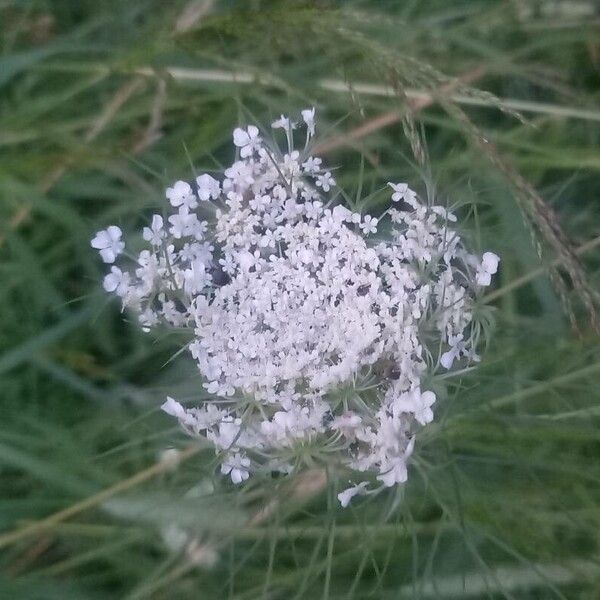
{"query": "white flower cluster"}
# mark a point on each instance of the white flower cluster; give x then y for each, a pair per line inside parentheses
(313, 335)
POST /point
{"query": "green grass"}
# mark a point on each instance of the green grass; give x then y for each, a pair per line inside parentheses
(102, 104)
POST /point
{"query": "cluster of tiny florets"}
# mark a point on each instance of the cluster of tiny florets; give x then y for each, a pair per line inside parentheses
(311, 331)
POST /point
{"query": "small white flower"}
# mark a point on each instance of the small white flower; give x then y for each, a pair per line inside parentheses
(155, 233)
(247, 140)
(393, 471)
(313, 209)
(174, 408)
(445, 214)
(341, 214)
(457, 346)
(197, 228)
(283, 123)
(240, 174)
(369, 225)
(182, 195)
(399, 190)
(182, 223)
(487, 268)
(108, 242)
(403, 192)
(417, 403)
(208, 188)
(308, 115)
(228, 264)
(247, 259)
(117, 281)
(325, 181)
(236, 467)
(312, 165)
(423, 413)
(347, 495)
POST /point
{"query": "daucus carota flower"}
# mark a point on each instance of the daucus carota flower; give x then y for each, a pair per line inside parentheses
(108, 243)
(347, 495)
(487, 268)
(308, 116)
(315, 327)
(155, 233)
(247, 140)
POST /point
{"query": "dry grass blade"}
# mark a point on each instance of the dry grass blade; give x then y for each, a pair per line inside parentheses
(192, 14)
(153, 131)
(525, 279)
(414, 104)
(29, 556)
(126, 484)
(541, 216)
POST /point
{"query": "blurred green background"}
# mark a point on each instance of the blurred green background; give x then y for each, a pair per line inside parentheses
(103, 103)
